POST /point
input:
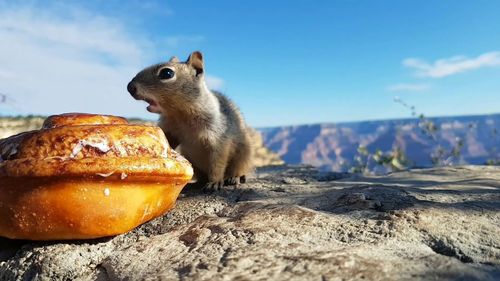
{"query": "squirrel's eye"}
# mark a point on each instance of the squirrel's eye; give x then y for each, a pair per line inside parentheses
(166, 73)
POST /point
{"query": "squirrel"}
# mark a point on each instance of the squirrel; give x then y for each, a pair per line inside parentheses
(207, 125)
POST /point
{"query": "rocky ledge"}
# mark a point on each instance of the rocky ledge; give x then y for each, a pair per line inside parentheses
(294, 223)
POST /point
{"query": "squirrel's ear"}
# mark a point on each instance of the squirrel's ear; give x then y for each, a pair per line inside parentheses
(174, 59)
(195, 60)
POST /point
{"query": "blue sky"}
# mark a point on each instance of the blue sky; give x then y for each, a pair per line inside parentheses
(283, 62)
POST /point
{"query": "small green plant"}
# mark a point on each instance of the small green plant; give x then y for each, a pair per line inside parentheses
(440, 156)
(494, 156)
(395, 160)
(379, 162)
(360, 161)
(445, 157)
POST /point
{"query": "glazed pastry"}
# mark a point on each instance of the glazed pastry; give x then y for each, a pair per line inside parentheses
(86, 176)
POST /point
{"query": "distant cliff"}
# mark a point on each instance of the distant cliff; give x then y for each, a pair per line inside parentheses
(422, 141)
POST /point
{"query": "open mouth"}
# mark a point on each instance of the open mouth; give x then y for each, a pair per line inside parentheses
(153, 106)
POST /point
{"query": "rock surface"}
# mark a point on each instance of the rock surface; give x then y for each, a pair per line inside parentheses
(294, 223)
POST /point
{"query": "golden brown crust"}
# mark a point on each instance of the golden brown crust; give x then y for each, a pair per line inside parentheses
(94, 141)
(52, 180)
(76, 119)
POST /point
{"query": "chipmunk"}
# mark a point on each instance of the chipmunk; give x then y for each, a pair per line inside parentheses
(209, 127)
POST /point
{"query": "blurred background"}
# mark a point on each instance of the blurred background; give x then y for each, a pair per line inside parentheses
(359, 86)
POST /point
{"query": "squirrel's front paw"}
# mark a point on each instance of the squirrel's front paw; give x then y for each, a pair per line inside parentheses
(212, 186)
(232, 181)
(235, 180)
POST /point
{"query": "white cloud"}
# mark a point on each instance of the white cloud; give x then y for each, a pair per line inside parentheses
(449, 66)
(214, 83)
(62, 59)
(50, 64)
(96, 35)
(408, 87)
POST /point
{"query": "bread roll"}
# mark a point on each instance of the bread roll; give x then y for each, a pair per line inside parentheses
(86, 176)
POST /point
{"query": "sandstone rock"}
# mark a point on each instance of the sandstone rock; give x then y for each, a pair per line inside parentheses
(295, 223)
(262, 155)
(11, 125)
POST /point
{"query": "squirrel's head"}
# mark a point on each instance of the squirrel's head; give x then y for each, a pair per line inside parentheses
(173, 84)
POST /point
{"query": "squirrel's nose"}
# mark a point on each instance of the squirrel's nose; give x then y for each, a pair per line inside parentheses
(131, 88)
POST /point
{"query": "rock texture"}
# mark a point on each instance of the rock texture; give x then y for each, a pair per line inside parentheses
(295, 223)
